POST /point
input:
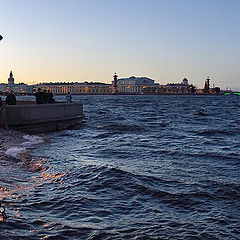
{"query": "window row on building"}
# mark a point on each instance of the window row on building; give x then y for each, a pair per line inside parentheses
(76, 88)
(17, 88)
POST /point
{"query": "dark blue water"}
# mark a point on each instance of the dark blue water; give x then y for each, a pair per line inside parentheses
(140, 167)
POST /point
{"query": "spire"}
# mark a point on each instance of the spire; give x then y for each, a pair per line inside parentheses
(115, 86)
(207, 85)
(11, 79)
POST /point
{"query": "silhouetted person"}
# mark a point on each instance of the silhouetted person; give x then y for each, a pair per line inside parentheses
(0, 102)
(50, 98)
(11, 98)
(40, 99)
(69, 98)
(45, 97)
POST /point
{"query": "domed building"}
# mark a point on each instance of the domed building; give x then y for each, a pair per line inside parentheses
(179, 88)
(184, 81)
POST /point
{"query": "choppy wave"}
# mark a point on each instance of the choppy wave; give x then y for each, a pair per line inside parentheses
(14, 151)
(140, 167)
(121, 128)
(31, 141)
(216, 131)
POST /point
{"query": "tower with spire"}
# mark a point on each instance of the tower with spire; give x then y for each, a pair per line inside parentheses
(115, 86)
(207, 85)
(11, 79)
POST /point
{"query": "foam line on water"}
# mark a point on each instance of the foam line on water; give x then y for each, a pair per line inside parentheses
(31, 141)
(14, 151)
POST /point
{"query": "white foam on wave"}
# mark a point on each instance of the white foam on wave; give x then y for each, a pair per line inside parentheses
(13, 152)
(31, 141)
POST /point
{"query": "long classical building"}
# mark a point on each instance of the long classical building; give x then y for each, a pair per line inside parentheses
(93, 88)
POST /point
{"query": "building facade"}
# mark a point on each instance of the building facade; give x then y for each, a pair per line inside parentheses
(76, 88)
(171, 88)
(134, 85)
(3, 87)
(178, 88)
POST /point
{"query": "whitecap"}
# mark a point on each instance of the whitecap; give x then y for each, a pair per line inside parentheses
(13, 152)
(31, 140)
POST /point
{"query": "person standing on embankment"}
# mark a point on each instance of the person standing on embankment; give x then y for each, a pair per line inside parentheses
(11, 99)
(69, 98)
(40, 96)
(50, 98)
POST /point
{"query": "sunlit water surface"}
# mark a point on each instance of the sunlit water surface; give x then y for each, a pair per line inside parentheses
(140, 167)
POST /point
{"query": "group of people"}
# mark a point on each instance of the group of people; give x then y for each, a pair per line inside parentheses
(44, 97)
(10, 99)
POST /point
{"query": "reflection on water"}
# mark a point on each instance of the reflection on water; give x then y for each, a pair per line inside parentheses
(19, 189)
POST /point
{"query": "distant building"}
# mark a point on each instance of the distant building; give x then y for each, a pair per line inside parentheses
(76, 88)
(185, 82)
(178, 88)
(20, 88)
(206, 88)
(3, 87)
(11, 80)
(134, 85)
(115, 84)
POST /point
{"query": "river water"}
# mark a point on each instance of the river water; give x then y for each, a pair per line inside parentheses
(139, 167)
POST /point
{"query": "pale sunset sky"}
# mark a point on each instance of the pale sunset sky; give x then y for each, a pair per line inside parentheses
(89, 40)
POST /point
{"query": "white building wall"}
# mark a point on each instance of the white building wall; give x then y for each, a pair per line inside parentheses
(134, 85)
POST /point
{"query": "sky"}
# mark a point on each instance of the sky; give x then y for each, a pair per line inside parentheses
(90, 40)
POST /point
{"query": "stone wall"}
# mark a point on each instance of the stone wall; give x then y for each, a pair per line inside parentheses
(39, 113)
